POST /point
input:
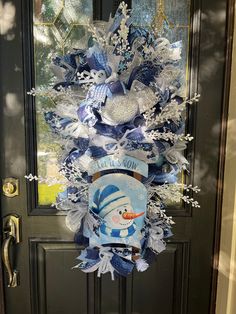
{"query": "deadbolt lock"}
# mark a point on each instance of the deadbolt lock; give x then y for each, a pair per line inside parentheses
(10, 187)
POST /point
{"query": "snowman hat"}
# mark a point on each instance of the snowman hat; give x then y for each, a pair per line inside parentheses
(107, 199)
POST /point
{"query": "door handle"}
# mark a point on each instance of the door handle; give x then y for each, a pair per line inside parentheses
(11, 231)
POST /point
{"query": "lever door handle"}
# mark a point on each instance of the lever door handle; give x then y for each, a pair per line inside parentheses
(12, 274)
(12, 237)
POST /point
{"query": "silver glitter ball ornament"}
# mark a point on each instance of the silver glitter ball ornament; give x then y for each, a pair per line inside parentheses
(120, 109)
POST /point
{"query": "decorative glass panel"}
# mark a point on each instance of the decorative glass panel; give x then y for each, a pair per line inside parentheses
(59, 26)
(173, 16)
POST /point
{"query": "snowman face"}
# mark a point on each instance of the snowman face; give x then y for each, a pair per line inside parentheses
(115, 219)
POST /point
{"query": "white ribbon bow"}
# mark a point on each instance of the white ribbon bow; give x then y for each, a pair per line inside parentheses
(155, 239)
(119, 145)
(105, 263)
(174, 155)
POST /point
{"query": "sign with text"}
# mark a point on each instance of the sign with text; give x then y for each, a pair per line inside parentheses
(124, 163)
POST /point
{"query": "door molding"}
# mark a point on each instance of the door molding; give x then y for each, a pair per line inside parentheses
(223, 135)
(2, 305)
(43, 248)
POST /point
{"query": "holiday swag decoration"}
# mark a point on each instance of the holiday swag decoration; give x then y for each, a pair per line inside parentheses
(118, 118)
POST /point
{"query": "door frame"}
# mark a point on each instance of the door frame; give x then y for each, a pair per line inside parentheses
(221, 162)
(223, 136)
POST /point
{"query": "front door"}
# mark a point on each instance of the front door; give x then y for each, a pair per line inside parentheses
(180, 280)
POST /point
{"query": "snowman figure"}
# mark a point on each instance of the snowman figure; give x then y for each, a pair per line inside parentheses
(114, 208)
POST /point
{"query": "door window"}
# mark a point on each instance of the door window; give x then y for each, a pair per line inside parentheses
(59, 26)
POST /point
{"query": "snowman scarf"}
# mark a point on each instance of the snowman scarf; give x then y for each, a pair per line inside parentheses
(118, 233)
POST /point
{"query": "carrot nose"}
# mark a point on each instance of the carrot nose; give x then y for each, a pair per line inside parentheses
(129, 216)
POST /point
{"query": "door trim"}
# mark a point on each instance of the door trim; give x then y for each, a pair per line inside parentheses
(223, 135)
(2, 305)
